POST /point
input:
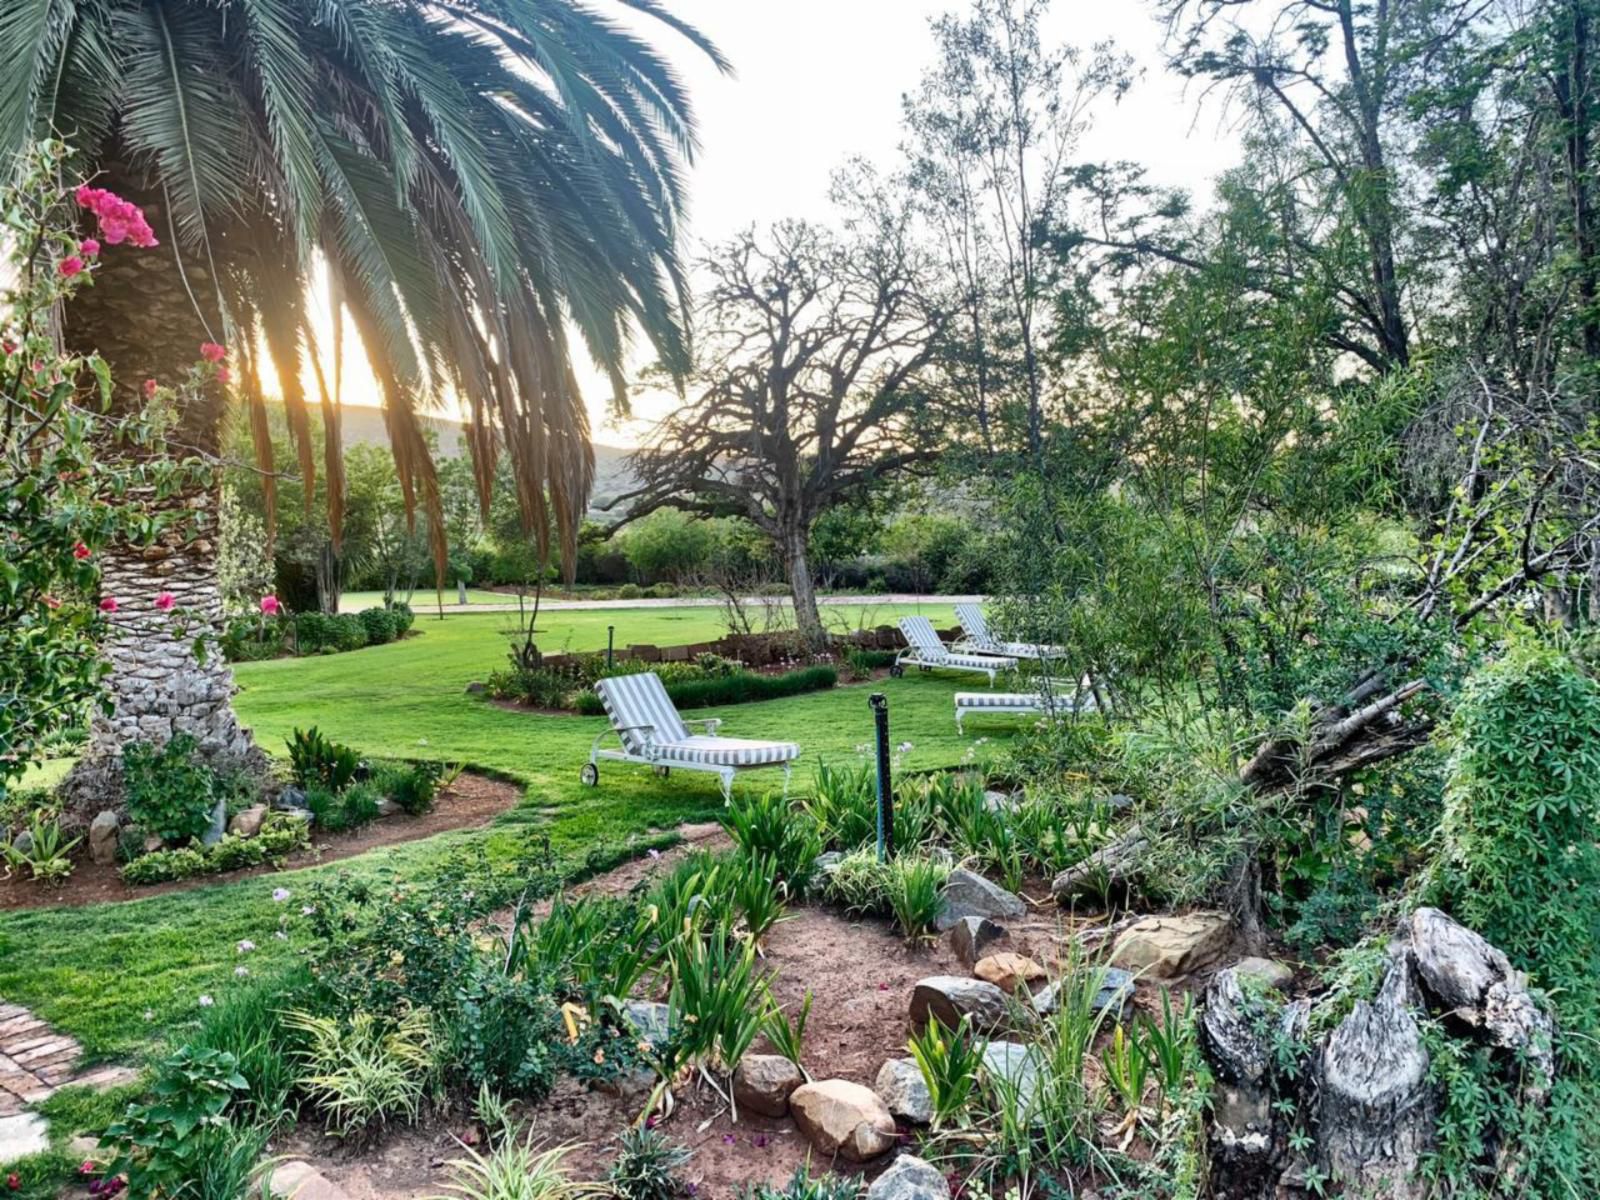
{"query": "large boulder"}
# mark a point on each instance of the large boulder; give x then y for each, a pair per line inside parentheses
(843, 1118)
(1168, 947)
(103, 833)
(1015, 1070)
(246, 822)
(904, 1091)
(971, 937)
(948, 998)
(1008, 971)
(968, 894)
(763, 1083)
(1266, 971)
(1113, 994)
(909, 1178)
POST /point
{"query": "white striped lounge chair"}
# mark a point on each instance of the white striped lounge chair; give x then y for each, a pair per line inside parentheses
(644, 719)
(979, 638)
(926, 651)
(1028, 703)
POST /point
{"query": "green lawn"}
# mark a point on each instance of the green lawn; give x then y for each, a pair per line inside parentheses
(96, 971)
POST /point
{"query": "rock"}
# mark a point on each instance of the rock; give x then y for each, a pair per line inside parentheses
(904, 1092)
(477, 688)
(103, 831)
(289, 799)
(1008, 971)
(825, 862)
(1018, 1066)
(24, 1134)
(387, 807)
(247, 822)
(1167, 947)
(652, 1020)
(843, 1118)
(1116, 989)
(1268, 971)
(968, 894)
(762, 1083)
(999, 801)
(298, 1180)
(304, 815)
(23, 842)
(1375, 1108)
(971, 936)
(219, 823)
(909, 1178)
(947, 998)
(153, 843)
(84, 1148)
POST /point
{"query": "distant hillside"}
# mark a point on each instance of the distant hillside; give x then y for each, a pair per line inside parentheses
(364, 426)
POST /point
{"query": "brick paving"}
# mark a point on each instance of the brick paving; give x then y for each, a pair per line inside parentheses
(35, 1060)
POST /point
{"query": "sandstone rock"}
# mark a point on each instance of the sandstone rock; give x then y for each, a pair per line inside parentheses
(298, 1180)
(968, 894)
(970, 938)
(1268, 971)
(153, 843)
(763, 1082)
(247, 822)
(904, 1092)
(1167, 947)
(1008, 971)
(909, 1178)
(843, 1118)
(947, 998)
(103, 831)
(1116, 989)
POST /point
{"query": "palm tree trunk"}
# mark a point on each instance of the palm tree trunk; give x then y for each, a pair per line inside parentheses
(147, 314)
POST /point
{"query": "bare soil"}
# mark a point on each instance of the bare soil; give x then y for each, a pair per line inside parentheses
(470, 801)
(860, 974)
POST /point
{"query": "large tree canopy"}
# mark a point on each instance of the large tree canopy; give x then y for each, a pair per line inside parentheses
(477, 175)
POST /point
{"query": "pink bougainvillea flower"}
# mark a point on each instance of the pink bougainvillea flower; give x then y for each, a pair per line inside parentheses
(50, 602)
(165, 601)
(87, 1167)
(269, 605)
(212, 352)
(150, 388)
(88, 247)
(68, 267)
(81, 552)
(108, 605)
(85, 195)
(120, 220)
(8, 346)
(224, 375)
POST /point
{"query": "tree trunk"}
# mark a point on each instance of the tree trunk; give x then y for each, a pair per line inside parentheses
(148, 316)
(806, 615)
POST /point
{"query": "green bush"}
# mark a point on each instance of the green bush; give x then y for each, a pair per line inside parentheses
(412, 787)
(169, 792)
(351, 808)
(319, 761)
(743, 687)
(313, 632)
(767, 829)
(536, 687)
(380, 625)
(251, 639)
(629, 591)
(279, 836)
(404, 617)
(348, 632)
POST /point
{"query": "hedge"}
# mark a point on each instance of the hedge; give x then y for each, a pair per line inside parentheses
(740, 688)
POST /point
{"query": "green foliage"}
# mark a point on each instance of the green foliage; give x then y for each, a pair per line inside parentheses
(787, 1036)
(803, 1186)
(381, 625)
(323, 633)
(280, 836)
(351, 808)
(318, 761)
(859, 883)
(170, 791)
(949, 1060)
(45, 858)
(916, 894)
(412, 786)
(644, 1166)
(667, 544)
(1126, 1069)
(844, 804)
(767, 827)
(516, 1171)
(162, 1147)
(595, 947)
(364, 1072)
(716, 995)
(760, 895)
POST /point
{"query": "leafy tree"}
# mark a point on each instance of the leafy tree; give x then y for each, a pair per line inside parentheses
(473, 182)
(667, 544)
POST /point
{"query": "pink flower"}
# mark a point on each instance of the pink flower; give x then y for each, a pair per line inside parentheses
(212, 352)
(224, 375)
(50, 602)
(149, 389)
(85, 195)
(81, 552)
(8, 346)
(68, 267)
(165, 601)
(269, 605)
(108, 605)
(88, 247)
(120, 220)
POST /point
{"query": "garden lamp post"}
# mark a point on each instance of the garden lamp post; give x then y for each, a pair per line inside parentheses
(880, 720)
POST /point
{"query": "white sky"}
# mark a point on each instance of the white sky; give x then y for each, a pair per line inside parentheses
(819, 81)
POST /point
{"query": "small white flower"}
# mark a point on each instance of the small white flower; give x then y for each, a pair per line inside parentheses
(282, 935)
(149, 1014)
(654, 853)
(904, 747)
(422, 741)
(307, 909)
(206, 1001)
(279, 895)
(242, 972)
(245, 946)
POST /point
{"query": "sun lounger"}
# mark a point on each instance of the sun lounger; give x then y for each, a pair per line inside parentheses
(981, 640)
(926, 651)
(1026, 703)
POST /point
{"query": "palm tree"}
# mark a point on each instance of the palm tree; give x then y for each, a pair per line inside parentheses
(474, 178)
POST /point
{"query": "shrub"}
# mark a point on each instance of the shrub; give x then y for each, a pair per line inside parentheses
(250, 639)
(516, 1171)
(318, 761)
(534, 686)
(279, 836)
(247, 1022)
(46, 856)
(339, 811)
(363, 1073)
(164, 866)
(716, 993)
(629, 591)
(844, 805)
(169, 792)
(644, 1166)
(162, 1148)
(859, 883)
(916, 895)
(802, 1186)
(313, 632)
(404, 617)
(347, 632)
(767, 828)
(411, 786)
(949, 1060)
(380, 625)
(741, 687)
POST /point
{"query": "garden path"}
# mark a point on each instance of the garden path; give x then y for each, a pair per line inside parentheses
(36, 1060)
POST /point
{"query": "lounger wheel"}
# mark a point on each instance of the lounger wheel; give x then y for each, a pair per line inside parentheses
(896, 671)
(663, 772)
(590, 775)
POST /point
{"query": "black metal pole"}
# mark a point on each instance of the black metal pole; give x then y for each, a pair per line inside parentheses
(880, 719)
(611, 631)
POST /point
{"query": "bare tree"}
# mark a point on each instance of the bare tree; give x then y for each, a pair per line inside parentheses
(810, 386)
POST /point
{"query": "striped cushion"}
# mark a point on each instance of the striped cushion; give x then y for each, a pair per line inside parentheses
(919, 632)
(1030, 650)
(641, 700)
(727, 752)
(975, 626)
(978, 662)
(1000, 700)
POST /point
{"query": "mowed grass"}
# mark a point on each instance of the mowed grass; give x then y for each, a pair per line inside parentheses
(121, 977)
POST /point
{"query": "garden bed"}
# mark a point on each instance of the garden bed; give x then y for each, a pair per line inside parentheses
(470, 801)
